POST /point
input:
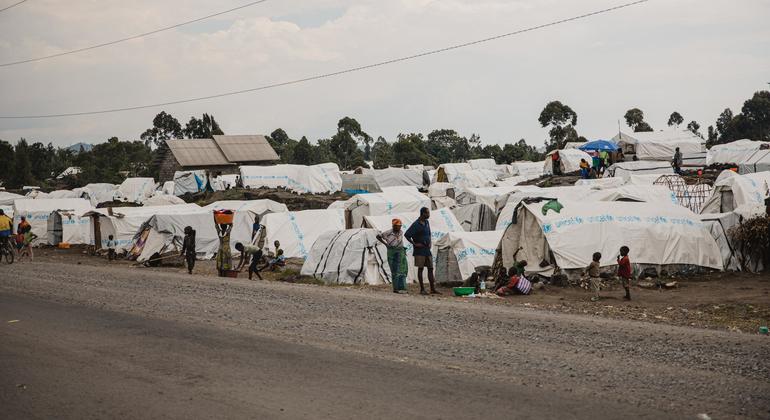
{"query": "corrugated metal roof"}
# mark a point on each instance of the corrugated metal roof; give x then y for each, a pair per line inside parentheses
(197, 152)
(246, 148)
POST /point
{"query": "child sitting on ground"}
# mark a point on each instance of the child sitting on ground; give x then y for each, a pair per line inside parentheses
(278, 261)
(517, 285)
(594, 271)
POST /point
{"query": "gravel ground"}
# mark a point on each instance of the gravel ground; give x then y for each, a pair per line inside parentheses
(662, 370)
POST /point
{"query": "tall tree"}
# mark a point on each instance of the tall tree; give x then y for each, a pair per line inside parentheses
(409, 149)
(693, 127)
(204, 128)
(635, 119)
(562, 120)
(279, 141)
(349, 126)
(757, 113)
(22, 167)
(303, 152)
(675, 119)
(382, 154)
(6, 161)
(164, 127)
(712, 137)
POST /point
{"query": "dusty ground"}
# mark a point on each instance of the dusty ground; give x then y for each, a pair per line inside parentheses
(727, 301)
(90, 341)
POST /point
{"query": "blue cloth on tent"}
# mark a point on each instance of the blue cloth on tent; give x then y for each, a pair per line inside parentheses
(599, 145)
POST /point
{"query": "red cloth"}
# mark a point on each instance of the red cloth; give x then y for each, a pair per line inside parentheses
(624, 267)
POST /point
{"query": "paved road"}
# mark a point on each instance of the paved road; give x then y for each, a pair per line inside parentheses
(96, 342)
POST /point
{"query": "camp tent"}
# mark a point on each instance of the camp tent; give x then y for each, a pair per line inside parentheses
(486, 195)
(442, 221)
(72, 170)
(99, 193)
(570, 160)
(758, 162)
(164, 232)
(397, 177)
(658, 235)
(58, 194)
(316, 179)
(75, 228)
(601, 182)
(639, 167)
(475, 217)
(161, 199)
(246, 212)
(123, 223)
(448, 172)
(461, 253)
(352, 256)
(735, 152)
(661, 145)
(189, 182)
(7, 198)
(732, 191)
(482, 163)
(298, 230)
(441, 194)
(7, 210)
(135, 190)
(339, 204)
(528, 170)
(392, 200)
(362, 183)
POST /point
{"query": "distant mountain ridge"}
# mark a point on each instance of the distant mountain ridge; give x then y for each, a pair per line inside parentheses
(75, 148)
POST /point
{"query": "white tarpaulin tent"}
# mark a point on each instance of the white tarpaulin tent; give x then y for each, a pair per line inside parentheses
(477, 178)
(482, 163)
(125, 222)
(316, 179)
(441, 194)
(99, 193)
(475, 217)
(657, 234)
(442, 221)
(486, 195)
(392, 200)
(135, 190)
(297, 230)
(396, 177)
(609, 182)
(758, 162)
(164, 232)
(570, 160)
(528, 170)
(447, 172)
(732, 191)
(189, 182)
(661, 145)
(460, 253)
(639, 167)
(7, 199)
(352, 256)
(735, 152)
(58, 194)
(37, 212)
(161, 199)
(246, 213)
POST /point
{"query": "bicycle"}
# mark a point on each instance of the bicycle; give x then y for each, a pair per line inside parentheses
(7, 251)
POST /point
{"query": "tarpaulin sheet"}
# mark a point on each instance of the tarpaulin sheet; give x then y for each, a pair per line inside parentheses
(317, 179)
(352, 256)
(298, 230)
(470, 250)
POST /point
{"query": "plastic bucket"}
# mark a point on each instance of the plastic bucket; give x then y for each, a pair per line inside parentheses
(223, 217)
(463, 291)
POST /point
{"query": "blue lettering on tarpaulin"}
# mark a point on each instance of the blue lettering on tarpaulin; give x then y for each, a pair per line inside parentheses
(447, 220)
(629, 219)
(658, 220)
(299, 234)
(547, 228)
(472, 251)
(603, 218)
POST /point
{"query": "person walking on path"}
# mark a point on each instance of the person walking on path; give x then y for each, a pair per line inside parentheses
(394, 241)
(224, 255)
(419, 235)
(624, 271)
(677, 162)
(188, 248)
(249, 251)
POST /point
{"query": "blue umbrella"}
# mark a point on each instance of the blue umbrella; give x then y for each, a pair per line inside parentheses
(599, 145)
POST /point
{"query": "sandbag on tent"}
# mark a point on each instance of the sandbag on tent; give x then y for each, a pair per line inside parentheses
(461, 253)
(735, 152)
(246, 212)
(758, 162)
(392, 200)
(352, 256)
(442, 221)
(661, 145)
(189, 182)
(528, 170)
(397, 177)
(316, 179)
(123, 223)
(475, 217)
(732, 191)
(657, 234)
(639, 167)
(569, 158)
(163, 233)
(135, 190)
(359, 183)
(99, 193)
(297, 230)
(38, 212)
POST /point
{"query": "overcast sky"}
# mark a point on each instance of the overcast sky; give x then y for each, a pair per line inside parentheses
(693, 56)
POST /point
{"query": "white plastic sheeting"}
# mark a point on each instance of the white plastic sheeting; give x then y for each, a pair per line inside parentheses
(7, 198)
(487, 195)
(37, 212)
(601, 182)
(58, 194)
(246, 213)
(482, 163)
(656, 234)
(735, 152)
(125, 223)
(570, 160)
(758, 162)
(168, 188)
(165, 233)
(460, 253)
(297, 230)
(317, 179)
(511, 181)
(442, 221)
(441, 194)
(135, 190)
(352, 256)
(99, 193)
(393, 200)
(448, 172)
(660, 145)
(396, 177)
(163, 200)
(528, 170)
(640, 167)
(732, 191)
(189, 182)
(475, 217)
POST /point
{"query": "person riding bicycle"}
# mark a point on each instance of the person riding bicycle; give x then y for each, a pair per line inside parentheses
(6, 229)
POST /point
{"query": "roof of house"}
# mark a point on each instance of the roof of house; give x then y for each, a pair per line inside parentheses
(221, 150)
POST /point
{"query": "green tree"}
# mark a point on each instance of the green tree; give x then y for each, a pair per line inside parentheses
(353, 128)
(520, 151)
(712, 136)
(382, 154)
(303, 152)
(22, 167)
(164, 127)
(322, 152)
(409, 149)
(562, 120)
(757, 113)
(107, 161)
(204, 128)
(493, 151)
(635, 119)
(724, 120)
(280, 141)
(693, 127)
(6, 161)
(675, 119)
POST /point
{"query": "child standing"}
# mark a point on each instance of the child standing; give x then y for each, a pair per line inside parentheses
(188, 248)
(624, 271)
(110, 248)
(594, 270)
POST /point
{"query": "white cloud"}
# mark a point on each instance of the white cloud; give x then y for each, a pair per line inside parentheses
(696, 57)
